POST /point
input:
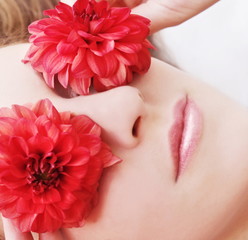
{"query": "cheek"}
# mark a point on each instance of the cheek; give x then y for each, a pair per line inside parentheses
(135, 197)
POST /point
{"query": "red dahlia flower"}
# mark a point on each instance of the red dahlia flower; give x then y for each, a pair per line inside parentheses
(50, 166)
(89, 41)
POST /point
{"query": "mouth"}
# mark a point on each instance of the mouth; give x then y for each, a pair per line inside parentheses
(185, 134)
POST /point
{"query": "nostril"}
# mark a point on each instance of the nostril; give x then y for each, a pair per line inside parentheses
(136, 127)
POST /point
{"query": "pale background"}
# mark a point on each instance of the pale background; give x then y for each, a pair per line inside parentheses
(214, 47)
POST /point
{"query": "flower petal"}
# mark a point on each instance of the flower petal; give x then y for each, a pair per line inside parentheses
(129, 47)
(53, 62)
(115, 33)
(80, 156)
(40, 144)
(102, 48)
(44, 223)
(81, 85)
(65, 144)
(84, 125)
(23, 112)
(104, 66)
(51, 195)
(45, 107)
(64, 48)
(120, 14)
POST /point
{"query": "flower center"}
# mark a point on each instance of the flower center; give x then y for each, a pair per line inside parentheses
(88, 14)
(88, 17)
(43, 173)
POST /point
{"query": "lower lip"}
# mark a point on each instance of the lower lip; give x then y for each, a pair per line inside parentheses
(185, 133)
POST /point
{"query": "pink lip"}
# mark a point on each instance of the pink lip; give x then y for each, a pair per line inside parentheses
(185, 133)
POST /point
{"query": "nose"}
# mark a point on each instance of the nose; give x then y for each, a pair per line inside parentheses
(118, 111)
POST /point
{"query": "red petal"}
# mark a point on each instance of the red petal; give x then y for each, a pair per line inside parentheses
(6, 126)
(69, 183)
(45, 223)
(59, 30)
(94, 172)
(98, 26)
(139, 30)
(12, 182)
(24, 191)
(101, 8)
(104, 66)
(6, 197)
(25, 128)
(115, 33)
(18, 167)
(89, 36)
(67, 199)
(35, 57)
(144, 62)
(9, 211)
(79, 6)
(7, 112)
(18, 145)
(45, 107)
(48, 129)
(77, 172)
(80, 85)
(102, 48)
(51, 13)
(129, 47)
(27, 206)
(84, 125)
(128, 58)
(80, 156)
(107, 156)
(91, 142)
(24, 112)
(40, 145)
(43, 39)
(63, 159)
(65, 48)
(39, 25)
(76, 39)
(79, 59)
(49, 196)
(120, 14)
(53, 62)
(65, 144)
(121, 78)
(49, 79)
(65, 9)
(63, 76)
(55, 212)
(80, 66)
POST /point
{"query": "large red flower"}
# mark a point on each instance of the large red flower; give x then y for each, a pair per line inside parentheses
(89, 42)
(50, 166)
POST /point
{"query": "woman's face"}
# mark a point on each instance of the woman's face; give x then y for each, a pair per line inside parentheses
(143, 198)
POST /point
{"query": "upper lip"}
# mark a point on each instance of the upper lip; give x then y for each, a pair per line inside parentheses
(184, 133)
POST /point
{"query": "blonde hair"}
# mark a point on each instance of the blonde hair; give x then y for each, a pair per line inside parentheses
(16, 15)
